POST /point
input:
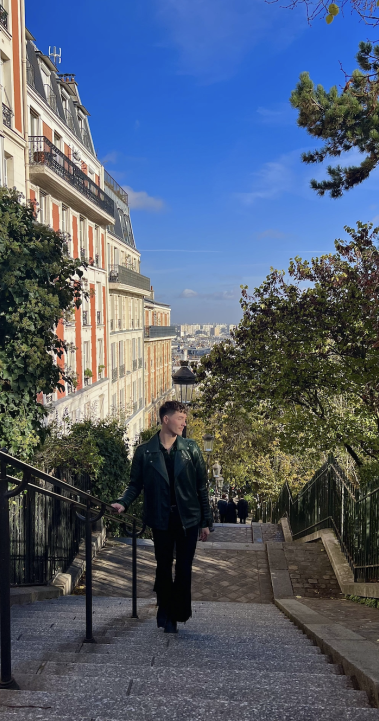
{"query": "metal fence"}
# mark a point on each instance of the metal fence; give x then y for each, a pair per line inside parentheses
(330, 500)
(45, 533)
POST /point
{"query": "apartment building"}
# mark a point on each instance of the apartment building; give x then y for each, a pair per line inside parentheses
(158, 368)
(66, 182)
(127, 288)
(12, 117)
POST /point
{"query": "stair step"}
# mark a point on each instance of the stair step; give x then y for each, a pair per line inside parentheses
(178, 708)
(310, 665)
(249, 688)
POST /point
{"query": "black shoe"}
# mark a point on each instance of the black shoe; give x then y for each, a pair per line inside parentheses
(171, 626)
(161, 618)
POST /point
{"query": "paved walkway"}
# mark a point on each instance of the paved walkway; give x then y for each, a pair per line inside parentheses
(355, 616)
(223, 569)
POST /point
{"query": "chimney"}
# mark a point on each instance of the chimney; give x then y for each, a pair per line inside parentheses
(151, 292)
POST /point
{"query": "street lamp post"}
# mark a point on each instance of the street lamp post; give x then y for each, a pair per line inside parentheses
(184, 384)
(208, 448)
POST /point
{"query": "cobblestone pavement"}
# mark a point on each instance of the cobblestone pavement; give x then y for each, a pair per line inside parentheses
(310, 570)
(356, 617)
(218, 575)
(241, 533)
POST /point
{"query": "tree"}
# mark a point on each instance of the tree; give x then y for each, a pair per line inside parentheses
(309, 349)
(344, 120)
(38, 283)
(247, 444)
(365, 9)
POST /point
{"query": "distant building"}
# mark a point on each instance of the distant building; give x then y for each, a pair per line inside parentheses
(158, 335)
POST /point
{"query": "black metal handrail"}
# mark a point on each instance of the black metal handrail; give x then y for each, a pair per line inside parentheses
(43, 152)
(93, 510)
(330, 500)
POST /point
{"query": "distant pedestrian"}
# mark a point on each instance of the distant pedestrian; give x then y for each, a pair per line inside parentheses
(231, 512)
(242, 509)
(222, 506)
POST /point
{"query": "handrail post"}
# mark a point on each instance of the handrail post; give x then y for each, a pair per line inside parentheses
(88, 536)
(134, 571)
(5, 578)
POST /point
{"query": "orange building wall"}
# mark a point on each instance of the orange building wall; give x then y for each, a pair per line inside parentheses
(16, 65)
(47, 131)
(92, 301)
(55, 216)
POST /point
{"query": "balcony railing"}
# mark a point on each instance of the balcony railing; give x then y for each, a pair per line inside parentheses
(7, 116)
(114, 374)
(43, 152)
(160, 331)
(135, 364)
(120, 192)
(111, 324)
(140, 403)
(120, 274)
(3, 17)
(122, 370)
(135, 406)
(98, 317)
(140, 361)
(85, 317)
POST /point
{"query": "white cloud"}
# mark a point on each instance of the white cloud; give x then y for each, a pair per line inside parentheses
(218, 295)
(140, 200)
(213, 36)
(110, 158)
(273, 179)
(188, 293)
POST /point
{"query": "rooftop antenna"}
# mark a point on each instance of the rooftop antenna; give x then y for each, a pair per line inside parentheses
(55, 55)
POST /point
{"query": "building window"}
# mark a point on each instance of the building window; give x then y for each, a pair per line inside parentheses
(43, 208)
(34, 123)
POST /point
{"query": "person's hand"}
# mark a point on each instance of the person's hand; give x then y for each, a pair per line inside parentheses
(118, 507)
(204, 533)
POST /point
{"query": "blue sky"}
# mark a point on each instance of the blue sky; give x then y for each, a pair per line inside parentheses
(189, 111)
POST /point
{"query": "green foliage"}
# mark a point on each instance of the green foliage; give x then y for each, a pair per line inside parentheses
(38, 282)
(95, 447)
(149, 433)
(370, 602)
(343, 120)
(307, 352)
(248, 447)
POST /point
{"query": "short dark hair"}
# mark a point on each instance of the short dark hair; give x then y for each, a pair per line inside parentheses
(223, 495)
(171, 407)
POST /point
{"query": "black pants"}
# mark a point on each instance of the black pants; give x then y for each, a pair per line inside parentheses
(242, 520)
(222, 518)
(175, 596)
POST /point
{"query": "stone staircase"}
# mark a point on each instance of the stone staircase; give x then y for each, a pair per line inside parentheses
(233, 661)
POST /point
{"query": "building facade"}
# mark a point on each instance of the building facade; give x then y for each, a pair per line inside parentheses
(158, 365)
(127, 288)
(47, 153)
(66, 183)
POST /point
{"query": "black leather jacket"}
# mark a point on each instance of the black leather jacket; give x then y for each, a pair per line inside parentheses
(148, 473)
